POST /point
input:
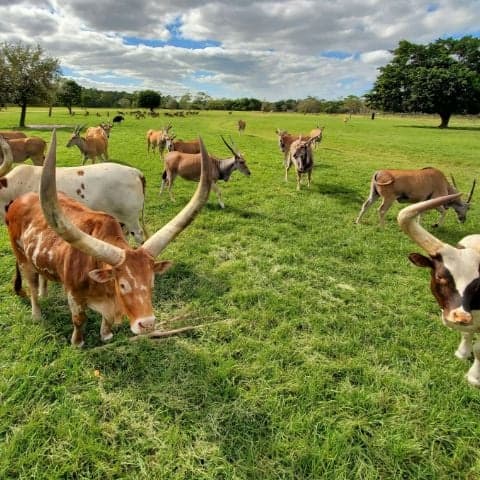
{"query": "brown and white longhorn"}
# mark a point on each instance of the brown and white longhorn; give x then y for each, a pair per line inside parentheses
(65, 241)
(454, 278)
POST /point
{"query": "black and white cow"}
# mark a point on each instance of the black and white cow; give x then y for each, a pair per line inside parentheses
(455, 278)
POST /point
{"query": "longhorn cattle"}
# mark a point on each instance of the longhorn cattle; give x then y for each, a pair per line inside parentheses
(187, 165)
(158, 138)
(410, 186)
(116, 189)
(241, 125)
(28, 147)
(301, 156)
(189, 146)
(454, 278)
(65, 241)
(8, 134)
(93, 145)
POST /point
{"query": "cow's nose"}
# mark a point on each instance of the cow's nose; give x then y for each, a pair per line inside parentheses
(462, 317)
(143, 325)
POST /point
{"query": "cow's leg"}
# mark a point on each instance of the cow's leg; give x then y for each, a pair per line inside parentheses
(386, 204)
(218, 193)
(78, 319)
(473, 375)
(43, 286)
(367, 204)
(464, 350)
(106, 333)
(32, 279)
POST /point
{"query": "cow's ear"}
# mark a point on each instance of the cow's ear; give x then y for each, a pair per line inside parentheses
(101, 275)
(420, 260)
(162, 267)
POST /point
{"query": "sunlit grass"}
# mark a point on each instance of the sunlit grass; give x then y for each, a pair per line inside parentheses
(323, 355)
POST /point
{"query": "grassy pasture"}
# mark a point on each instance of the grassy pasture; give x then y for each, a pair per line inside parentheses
(323, 355)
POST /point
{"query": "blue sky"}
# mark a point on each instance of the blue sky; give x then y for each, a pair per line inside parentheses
(266, 49)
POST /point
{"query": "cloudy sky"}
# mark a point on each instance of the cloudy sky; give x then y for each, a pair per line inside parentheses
(266, 49)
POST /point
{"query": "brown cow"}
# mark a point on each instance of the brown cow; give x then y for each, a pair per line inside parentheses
(85, 250)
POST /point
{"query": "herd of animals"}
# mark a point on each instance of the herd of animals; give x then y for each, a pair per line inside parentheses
(79, 237)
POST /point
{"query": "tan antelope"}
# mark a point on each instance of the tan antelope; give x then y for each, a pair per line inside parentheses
(301, 156)
(187, 166)
(92, 147)
(242, 124)
(9, 134)
(411, 186)
(28, 147)
(158, 138)
(65, 241)
(317, 134)
(285, 140)
(189, 146)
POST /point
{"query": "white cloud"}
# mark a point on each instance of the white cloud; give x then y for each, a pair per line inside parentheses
(267, 49)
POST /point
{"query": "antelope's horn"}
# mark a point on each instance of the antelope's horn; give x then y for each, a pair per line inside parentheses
(408, 223)
(470, 195)
(228, 146)
(102, 251)
(7, 163)
(159, 240)
(454, 182)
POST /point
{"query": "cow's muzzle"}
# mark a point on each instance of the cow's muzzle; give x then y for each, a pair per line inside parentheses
(143, 325)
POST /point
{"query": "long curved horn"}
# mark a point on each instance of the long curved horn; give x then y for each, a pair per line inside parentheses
(454, 182)
(159, 240)
(103, 251)
(470, 195)
(7, 163)
(408, 223)
(228, 146)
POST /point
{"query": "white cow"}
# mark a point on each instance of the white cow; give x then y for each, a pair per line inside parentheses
(109, 187)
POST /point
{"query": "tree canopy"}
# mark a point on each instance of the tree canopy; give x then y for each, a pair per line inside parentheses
(69, 94)
(442, 77)
(149, 99)
(26, 75)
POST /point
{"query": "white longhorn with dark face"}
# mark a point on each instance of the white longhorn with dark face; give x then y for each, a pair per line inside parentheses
(455, 278)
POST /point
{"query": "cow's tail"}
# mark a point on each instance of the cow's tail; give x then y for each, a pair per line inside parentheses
(17, 282)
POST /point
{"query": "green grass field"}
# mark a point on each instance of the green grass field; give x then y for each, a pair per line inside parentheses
(323, 354)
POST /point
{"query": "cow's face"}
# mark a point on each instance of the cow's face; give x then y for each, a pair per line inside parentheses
(133, 284)
(455, 283)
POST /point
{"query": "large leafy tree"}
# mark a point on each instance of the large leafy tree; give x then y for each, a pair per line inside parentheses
(442, 77)
(69, 94)
(27, 75)
(149, 99)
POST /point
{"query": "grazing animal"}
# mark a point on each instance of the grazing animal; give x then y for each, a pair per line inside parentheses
(187, 165)
(410, 186)
(285, 141)
(241, 125)
(65, 241)
(317, 134)
(118, 119)
(158, 138)
(11, 134)
(454, 278)
(28, 147)
(189, 146)
(102, 129)
(91, 146)
(301, 156)
(110, 187)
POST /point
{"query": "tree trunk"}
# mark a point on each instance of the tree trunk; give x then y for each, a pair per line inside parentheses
(23, 114)
(50, 111)
(69, 109)
(445, 119)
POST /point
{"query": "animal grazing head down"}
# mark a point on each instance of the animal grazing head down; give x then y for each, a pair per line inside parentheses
(455, 271)
(461, 207)
(131, 270)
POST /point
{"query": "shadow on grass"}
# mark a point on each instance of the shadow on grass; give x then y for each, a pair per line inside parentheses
(342, 193)
(430, 127)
